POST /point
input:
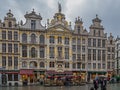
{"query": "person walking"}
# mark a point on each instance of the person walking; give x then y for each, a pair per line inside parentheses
(103, 84)
(95, 82)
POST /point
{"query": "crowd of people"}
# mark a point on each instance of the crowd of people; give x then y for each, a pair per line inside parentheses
(99, 82)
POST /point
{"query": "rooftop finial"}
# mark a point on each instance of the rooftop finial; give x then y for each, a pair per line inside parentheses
(96, 16)
(59, 7)
(9, 10)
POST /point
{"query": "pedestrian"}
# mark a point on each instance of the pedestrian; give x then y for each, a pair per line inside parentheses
(103, 84)
(95, 82)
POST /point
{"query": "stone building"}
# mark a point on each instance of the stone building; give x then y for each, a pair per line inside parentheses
(31, 52)
(117, 56)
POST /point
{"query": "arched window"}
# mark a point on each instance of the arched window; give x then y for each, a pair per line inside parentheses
(24, 64)
(24, 37)
(33, 52)
(42, 39)
(9, 24)
(42, 65)
(33, 38)
(33, 64)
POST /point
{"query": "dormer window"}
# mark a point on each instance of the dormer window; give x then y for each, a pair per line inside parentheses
(9, 24)
(33, 24)
(78, 29)
(99, 33)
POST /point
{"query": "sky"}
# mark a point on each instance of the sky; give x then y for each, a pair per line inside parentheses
(107, 10)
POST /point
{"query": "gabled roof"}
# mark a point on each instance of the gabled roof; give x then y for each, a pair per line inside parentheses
(33, 15)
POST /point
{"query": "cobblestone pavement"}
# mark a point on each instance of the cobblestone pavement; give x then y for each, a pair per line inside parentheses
(85, 87)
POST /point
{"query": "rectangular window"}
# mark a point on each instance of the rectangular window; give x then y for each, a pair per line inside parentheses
(108, 49)
(113, 64)
(78, 48)
(83, 41)
(9, 35)
(108, 65)
(74, 48)
(60, 40)
(42, 52)
(89, 42)
(59, 49)
(74, 57)
(51, 39)
(83, 66)
(78, 29)
(73, 40)
(103, 55)
(108, 57)
(94, 65)
(15, 77)
(89, 65)
(99, 42)
(9, 48)
(103, 65)
(94, 54)
(15, 35)
(3, 47)
(103, 43)
(78, 57)
(9, 61)
(9, 77)
(99, 66)
(83, 57)
(99, 54)
(15, 48)
(83, 48)
(78, 41)
(3, 61)
(15, 62)
(66, 53)
(51, 52)
(66, 40)
(51, 64)
(74, 65)
(4, 35)
(89, 54)
(33, 24)
(24, 50)
(66, 65)
(113, 56)
(113, 49)
(78, 66)
(94, 42)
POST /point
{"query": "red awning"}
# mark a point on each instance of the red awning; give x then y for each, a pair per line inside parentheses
(26, 72)
(50, 72)
(68, 72)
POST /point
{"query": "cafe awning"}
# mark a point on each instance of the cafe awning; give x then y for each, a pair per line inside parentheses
(68, 72)
(26, 72)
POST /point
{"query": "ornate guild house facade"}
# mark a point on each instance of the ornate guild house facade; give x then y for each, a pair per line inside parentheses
(31, 51)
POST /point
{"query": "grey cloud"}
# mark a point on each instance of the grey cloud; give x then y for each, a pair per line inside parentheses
(107, 10)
